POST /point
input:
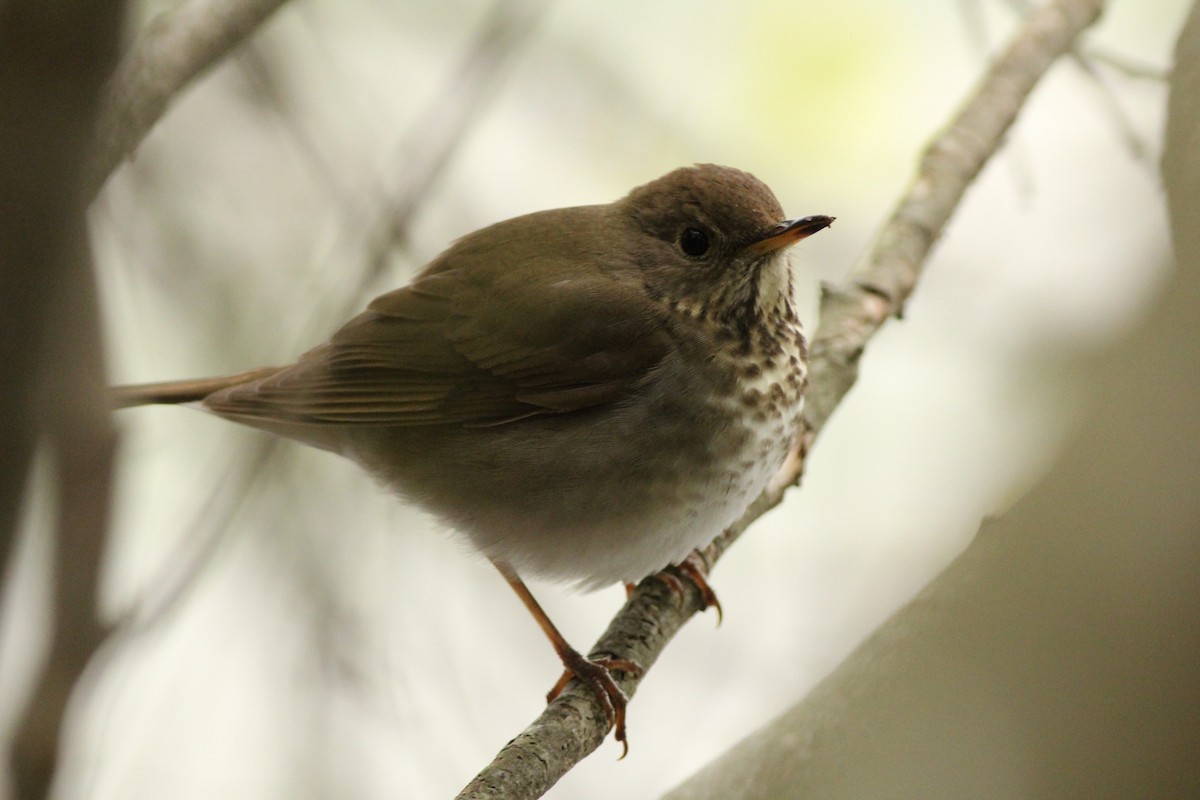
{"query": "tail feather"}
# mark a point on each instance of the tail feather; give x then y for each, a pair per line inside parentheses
(173, 392)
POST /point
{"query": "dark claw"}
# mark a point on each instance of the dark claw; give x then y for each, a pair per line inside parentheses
(597, 675)
(693, 568)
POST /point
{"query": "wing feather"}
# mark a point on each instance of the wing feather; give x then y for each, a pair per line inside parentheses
(474, 348)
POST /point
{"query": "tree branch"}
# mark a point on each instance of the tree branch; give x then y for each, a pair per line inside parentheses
(176, 48)
(54, 58)
(878, 287)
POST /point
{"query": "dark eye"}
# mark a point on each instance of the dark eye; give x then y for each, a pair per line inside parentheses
(694, 242)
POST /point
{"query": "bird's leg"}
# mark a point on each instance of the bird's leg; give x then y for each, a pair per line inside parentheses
(693, 569)
(596, 673)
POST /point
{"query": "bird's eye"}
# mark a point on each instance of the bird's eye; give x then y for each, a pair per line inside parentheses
(693, 242)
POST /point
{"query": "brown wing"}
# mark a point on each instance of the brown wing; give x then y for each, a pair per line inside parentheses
(470, 348)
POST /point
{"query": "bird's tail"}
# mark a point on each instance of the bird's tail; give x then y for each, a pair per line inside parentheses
(172, 392)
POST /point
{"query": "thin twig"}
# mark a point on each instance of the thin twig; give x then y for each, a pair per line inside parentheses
(430, 146)
(177, 577)
(176, 48)
(1134, 142)
(573, 725)
(1129, 67)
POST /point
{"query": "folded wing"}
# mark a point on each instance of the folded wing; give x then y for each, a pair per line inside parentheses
(459, 347)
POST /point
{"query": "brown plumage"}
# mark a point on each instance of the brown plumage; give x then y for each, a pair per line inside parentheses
(586, 393)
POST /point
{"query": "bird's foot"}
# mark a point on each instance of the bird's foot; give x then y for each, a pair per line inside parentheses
(596, 674)
(694, 570)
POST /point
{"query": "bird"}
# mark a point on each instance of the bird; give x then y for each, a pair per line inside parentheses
(586, 394)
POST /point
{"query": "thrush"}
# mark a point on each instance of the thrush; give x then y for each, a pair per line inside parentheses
(586, 394)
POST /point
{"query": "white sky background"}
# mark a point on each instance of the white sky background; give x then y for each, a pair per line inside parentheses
(336, 644)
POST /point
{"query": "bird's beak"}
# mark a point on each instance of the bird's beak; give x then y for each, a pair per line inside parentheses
(789, 232)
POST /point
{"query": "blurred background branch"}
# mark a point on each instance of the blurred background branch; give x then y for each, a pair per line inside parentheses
(175, 49)
(54, 58)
